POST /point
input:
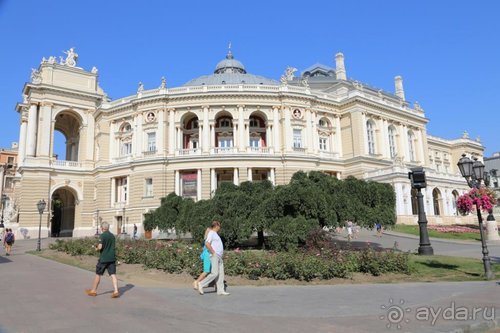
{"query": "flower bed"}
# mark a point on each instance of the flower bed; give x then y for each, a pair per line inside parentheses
(453, 228)
(180, 256)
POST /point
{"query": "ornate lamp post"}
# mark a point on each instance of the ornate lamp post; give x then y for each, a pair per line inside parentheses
(473, 172)
(4, 199)
(97, 223)
(41, 207)
(418, 182)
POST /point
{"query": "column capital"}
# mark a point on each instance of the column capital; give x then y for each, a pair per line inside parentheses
(240, 105)
(205, 106)
(171, 109)
(45, 103)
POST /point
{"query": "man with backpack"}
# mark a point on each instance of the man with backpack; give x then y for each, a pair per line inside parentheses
(8, 241)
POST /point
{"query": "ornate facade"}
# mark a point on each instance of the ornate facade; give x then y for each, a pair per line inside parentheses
(123, 155)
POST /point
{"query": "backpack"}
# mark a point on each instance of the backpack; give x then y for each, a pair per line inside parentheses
(9, 238)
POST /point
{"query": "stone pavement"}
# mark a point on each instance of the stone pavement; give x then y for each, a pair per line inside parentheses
(39, 295)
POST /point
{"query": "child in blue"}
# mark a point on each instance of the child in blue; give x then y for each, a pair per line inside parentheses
(207, 266)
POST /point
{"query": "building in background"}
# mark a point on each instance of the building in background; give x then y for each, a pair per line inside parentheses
(122, 156)
(8, 171)
(492, 165)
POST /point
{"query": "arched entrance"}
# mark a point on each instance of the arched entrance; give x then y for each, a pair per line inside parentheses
(67, 136)
(63, 213)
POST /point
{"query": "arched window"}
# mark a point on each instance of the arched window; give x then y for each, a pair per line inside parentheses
(225, 122)
(392, 141)
(411, 146)
(436, 199)
(254, 122)
(371, 137)
(126, 140)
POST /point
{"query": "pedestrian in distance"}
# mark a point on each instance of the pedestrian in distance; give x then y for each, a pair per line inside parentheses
(216, 250)
(107, 261)
(205, 258)
(349, 230)
(8, 241)
(378, 226)
(135, 232)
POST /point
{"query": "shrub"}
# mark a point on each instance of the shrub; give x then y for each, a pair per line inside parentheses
(183, 257)
(288, 233)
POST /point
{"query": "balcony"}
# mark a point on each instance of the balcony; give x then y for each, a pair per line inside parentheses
(224, 150)
(328, 155)
(189, 151)
(299, 150)
(61, 164)
(149, 153)
(122, 159)
(259, 150)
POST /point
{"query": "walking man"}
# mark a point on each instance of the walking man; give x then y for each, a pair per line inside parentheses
(135, 232)
(107, 261)
(216, 249)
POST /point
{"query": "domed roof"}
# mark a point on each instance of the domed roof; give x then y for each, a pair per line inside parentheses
(229, 65)
(230, 71)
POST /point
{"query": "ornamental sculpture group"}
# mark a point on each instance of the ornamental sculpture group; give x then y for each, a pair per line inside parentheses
(70, 61)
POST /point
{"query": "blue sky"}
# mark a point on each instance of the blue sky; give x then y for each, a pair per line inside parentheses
(446, 51)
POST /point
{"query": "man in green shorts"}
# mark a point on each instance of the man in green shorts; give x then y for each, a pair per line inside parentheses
(107, 261)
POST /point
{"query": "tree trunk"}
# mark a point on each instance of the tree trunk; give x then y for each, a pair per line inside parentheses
(260, 236)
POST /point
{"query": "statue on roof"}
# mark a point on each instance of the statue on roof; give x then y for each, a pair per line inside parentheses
(288, 76)
(465, 135)
(36, 76)
(71, 57)
(305, 81)
(140, 89)
(163, 84)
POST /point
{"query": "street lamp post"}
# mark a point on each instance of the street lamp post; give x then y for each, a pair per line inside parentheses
(97, 223)
(41, 207)
(473, 172)
(4, 199)
(418, 182)
(123, 222)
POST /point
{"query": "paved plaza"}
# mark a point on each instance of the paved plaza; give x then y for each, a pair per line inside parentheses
(40, 295)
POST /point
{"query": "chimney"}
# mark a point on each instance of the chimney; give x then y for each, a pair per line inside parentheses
(339, 63)
(398, 82)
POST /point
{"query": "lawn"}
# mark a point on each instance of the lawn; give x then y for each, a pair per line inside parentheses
(444, 268)
(414, 230)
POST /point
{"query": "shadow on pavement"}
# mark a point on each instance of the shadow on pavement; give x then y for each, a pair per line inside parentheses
(4, 260)
(122, 290)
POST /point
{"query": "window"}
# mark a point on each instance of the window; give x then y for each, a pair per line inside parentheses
(148, 187)
(225, 142)
(224, 122)
(436, 199)
(121, 189)
(411, 148)
(254, 141)
(126, 148)
(152, 141)
(8, 182)
(392, 141)
(194, 144)
(371, 137)
(10, 160)
(322, 123)
(126, 128)
(254, 122)
(297, 138)
(322, 144)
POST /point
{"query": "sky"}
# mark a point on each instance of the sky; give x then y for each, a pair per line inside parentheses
(446, 51)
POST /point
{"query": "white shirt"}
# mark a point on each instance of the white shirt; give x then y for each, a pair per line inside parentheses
(214, 240)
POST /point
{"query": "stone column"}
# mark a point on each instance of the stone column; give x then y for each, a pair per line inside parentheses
(89, 153)
(212, 135)
(235, 135)
(137, 145)
(398, 187)
(308, 131)
(177, 182)
(206, 130)
(272, 176)
(419, 148)
(22, 140)
(277, 129)
(384, 139)
(160, 132)
(246, 141)
(364, 135)
(180, 138)
(315, 136)
(235, 176)
(213, 181)
(249, 174)
(198, 185)
(112, 147)
(44, 130)
(287, 130)
(269, 134)
(241, 128)
(171, 131)
(338, 136)
(32, 130)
